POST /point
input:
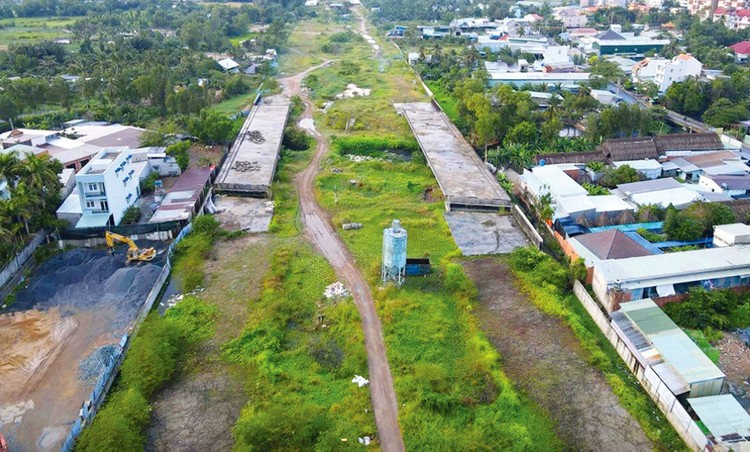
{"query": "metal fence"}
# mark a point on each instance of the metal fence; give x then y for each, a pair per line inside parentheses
(127, 229)
(21, 258)
(104, 383)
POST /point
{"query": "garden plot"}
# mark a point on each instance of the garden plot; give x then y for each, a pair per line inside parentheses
(55, 341)
(478, 233)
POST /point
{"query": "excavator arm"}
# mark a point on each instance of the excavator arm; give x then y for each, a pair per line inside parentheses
(134, 253)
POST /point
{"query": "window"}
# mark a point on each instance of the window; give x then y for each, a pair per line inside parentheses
(93, 187)
(105, 206)
(90, 204)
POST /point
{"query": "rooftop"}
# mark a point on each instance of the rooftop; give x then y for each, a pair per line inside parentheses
(611, 244)
(723, 416)
(648, 186)
(741, 48)
(179, 203)
(660, 341)
(674, 268)
(731, 182)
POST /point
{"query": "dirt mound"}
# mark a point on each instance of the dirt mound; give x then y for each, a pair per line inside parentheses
(28, 340)
(84, 278)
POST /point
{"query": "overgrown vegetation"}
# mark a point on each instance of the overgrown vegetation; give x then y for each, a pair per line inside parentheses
(696, 221)
(373, 146)
(452, 392)
(193, 250)
(711, 310)
(161, 346)
(546, 283)
(131, 215)
(299, 352)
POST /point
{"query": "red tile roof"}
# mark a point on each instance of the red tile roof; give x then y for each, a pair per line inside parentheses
(612, 244)
(741, 48)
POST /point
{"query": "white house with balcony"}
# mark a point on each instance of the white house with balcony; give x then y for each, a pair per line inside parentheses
(107, 186)
(664, 71)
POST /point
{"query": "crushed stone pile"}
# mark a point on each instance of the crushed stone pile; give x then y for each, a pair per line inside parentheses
(94, 365)
(88, 278)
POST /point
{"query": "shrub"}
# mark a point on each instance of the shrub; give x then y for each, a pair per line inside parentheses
(296, 139)
(131, 215)
(710, 309)
(149, 183)
(373, 146)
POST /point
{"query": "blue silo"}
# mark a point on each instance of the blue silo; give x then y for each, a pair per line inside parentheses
(394, 253)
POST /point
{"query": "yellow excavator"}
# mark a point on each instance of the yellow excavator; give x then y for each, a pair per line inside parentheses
(134, 253)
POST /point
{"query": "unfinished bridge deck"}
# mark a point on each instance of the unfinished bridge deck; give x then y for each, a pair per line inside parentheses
(251, 163)
(464, 179)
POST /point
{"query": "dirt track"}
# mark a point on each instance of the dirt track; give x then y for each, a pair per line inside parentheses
(319, 231)
(544, 358)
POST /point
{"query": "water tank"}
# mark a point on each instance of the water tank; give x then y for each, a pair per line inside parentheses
(394, 253)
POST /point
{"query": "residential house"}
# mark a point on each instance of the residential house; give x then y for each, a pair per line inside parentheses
(229, 65)
(605, 97)
(618, 281)
(703, 7)
(664, 71)
(720, 163)
(741, 51)
(659, 343)
(734, 19)
(570, 17)
(107, 186)
(734, 186)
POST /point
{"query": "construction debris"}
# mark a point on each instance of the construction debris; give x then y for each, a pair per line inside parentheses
(255, 136)
(244, 166)
(360, 380)
(176, 298)
(365, 440)
(336, 291)
(349, 226)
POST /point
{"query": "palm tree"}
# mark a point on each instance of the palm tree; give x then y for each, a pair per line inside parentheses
(40, 174)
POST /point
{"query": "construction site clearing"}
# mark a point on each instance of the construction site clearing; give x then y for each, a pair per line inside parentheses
(251, 163)
(465, 180)
(56, 339)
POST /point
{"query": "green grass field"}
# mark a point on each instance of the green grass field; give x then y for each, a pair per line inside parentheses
(451, 390)
(34, 29)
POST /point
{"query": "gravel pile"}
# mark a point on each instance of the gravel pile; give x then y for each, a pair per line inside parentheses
(89, 278)
(94, 365)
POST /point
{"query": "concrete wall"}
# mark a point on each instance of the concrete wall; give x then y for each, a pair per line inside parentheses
(101, 241)
(17, 263)
(526, 226)
(646, 376)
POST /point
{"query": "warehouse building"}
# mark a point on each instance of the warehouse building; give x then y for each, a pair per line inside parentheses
(658, 342)
(664, 275)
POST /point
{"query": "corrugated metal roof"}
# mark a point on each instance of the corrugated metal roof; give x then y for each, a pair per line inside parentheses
(674, 346)
(722, 415)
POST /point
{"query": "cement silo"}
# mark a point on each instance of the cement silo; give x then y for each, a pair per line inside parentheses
(394, 253)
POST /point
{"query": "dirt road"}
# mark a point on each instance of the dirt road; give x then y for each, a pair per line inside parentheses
(320, 232)
(544, 358)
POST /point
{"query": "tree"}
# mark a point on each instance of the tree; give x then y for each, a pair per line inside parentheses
(621, 175)
(724, 112)
(210, 127)
(604, 72)
(180, 152)
(522, 133)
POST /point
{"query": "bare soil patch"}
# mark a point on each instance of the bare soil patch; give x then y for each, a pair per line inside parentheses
(544, 359)
(734, 361)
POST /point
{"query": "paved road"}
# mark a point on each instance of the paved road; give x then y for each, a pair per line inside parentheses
(320, 232)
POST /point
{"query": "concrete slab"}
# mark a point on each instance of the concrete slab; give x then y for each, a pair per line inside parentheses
(245, 214)
(463, 177)
(251, 163)
(478, 233)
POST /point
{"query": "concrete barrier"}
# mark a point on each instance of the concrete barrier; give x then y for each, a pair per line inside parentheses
(650, 381)
(526, 226)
